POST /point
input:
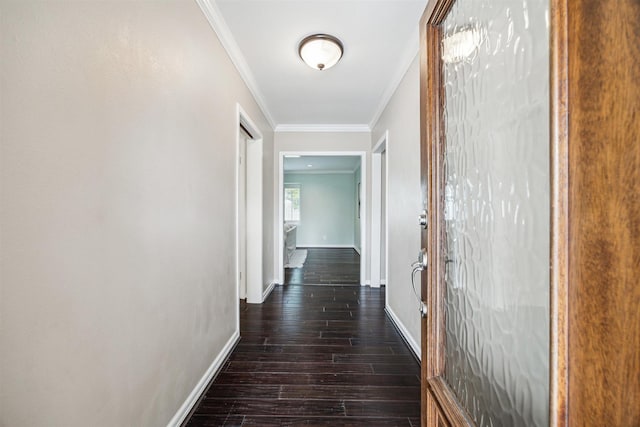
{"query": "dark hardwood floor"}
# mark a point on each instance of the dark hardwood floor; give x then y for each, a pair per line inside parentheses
(315, 355)
(326, 266)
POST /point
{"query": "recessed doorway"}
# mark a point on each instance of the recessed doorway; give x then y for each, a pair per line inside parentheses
(322, 218)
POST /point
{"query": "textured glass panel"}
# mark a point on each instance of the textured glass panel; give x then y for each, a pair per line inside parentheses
(495, 64)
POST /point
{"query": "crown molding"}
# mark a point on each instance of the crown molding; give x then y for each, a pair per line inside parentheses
(322, 128)
(220, 27)
(408, 56)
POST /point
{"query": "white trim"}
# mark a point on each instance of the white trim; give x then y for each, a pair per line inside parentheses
(200, 387)
(388, 156)
(268, 291)
(322, 153)
(376, 207)
(376, 210)
(279, 226)
(388, 151)
(219, 25)
(410, 53)
(323, 128)
(381, 145)
(254, 208)
(357, 249)
(364, 211)
(383, 282)
(413, 345)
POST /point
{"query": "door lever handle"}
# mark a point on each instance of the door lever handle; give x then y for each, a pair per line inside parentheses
(419, 265)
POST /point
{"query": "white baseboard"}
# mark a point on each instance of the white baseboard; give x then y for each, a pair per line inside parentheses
(268, 291)
(369, 283)
(415, 347)
(195, 394)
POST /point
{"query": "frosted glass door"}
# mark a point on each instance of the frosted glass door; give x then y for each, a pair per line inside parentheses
(495, 73)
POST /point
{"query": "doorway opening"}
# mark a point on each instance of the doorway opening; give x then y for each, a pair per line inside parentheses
(248, 209)
(379, 233)
(322, 218)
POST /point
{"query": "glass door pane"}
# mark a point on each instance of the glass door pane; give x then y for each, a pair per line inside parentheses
(495, 57)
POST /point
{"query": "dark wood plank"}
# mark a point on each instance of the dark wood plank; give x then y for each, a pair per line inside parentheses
(310, 379)
(279, 357)
(351, 392)
(217, 420)
(290, 368)
(284, 367)
(279, 407)
(326, 266)
(374, 358)
(324, 421)
(243, 391)
(313, 349)
(375, 409)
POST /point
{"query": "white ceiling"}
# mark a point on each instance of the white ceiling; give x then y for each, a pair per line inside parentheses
(321, 164)
(380, 40)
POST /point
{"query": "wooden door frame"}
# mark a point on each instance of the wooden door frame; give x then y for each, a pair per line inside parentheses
(595, 166)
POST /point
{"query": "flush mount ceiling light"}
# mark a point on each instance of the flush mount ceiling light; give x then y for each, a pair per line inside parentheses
(320, 51)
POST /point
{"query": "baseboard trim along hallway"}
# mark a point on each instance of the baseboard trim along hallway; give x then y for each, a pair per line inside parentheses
(268, 291)
(199, 389)
(404, 332)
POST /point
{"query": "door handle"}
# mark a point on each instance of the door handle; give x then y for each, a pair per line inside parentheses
(419, 265)
(423, 220)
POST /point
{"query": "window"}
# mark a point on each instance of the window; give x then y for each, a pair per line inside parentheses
(292, 202)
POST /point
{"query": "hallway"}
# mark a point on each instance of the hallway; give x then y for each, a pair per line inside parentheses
(319, 355)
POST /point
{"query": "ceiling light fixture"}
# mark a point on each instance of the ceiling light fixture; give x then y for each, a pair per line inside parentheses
(320, 51)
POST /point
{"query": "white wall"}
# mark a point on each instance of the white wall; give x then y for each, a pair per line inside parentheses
(401, 118)
(117, 221)
(327, 208)
(324, 142)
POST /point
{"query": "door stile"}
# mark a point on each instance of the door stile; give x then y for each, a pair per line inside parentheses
(437, 398)
(559, 251)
